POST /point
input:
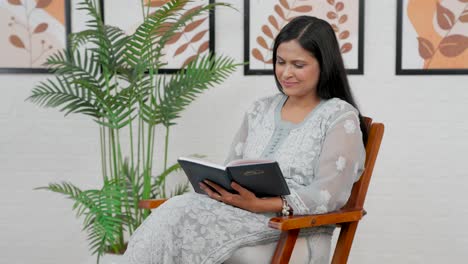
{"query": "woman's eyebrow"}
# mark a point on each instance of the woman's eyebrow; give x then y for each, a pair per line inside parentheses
(296, 60)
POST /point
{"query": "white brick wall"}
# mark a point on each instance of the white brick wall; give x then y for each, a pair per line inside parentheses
(416, 201)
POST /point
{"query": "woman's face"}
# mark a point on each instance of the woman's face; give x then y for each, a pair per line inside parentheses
(296, 69)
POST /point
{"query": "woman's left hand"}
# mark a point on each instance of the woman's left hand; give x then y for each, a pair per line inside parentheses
(245, 199)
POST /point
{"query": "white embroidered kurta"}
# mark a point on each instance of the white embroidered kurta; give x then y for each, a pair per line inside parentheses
(320, 158)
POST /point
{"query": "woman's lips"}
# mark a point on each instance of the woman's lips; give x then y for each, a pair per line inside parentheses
(288, 84)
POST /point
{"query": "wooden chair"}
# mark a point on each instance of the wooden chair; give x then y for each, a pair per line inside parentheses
(347, 217)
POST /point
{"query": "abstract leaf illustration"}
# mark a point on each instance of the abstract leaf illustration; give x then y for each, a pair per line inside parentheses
(15, 2)
(267, 31)
(285, 4)
(332, 15)
(464, 16)
(258, 55)
(344, 34)
(445, 17)
(43, 3)
(425, 47)
(261, 41)
(41, 28)
(189, 60)
(346, 47)
(16, 41)
(156, 3)
(273, 22)
(199, 36)
(343, 19)
(181, 49)
(190, 27)
(331, 2)
(280, 12)
(203, 47)
(175, 38)
(453, 45)
(464, 1)
(303, 9)
(339, 6)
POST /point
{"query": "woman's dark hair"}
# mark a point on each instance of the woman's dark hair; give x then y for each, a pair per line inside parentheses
(317, 36)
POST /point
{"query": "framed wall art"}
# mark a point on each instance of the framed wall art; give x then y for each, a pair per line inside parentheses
(30, 31)
(432, 37)
(196, 38)
(264, 19)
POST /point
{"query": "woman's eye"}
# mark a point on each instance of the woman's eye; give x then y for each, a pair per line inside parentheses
(299, 66)
(280, 62)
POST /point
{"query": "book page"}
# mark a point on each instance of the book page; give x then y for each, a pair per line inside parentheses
(203, 162)
(247, 162)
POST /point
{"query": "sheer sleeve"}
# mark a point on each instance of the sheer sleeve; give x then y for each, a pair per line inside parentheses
(340, 164)
(236, 150)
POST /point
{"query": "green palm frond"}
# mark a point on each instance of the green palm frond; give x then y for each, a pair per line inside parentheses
(184, 87)
(103, 219)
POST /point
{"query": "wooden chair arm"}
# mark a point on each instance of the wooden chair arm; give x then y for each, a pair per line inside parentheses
(303, 221)
(150, 204)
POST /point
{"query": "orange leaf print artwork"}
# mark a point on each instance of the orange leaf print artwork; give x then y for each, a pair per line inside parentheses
(41, 28)
(15, 2)
(156, 3)
(285, 4)
(343, 19)
(303, 9)
(174, 38)
(181, 49)
(453, 45)
(445, 17)
(464, 16)
(426, 49)
(257, 54)
(280, 12)
(346, 47)
(199, 36)
(189, 60)
(16, 41)
(344, 34)
(203, 47)
(335, 28)
(194, 25)
(43, 3)
(331, 2)
(332, 15)
(339, 6)
(267, 31)
(261, 41)
(273, 22)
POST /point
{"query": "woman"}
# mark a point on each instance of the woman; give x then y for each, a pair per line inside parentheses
(312, 128)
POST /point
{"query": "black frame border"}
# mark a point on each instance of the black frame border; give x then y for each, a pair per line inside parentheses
(355, 71)
(399, 53)
(68, 30)
(211, 28)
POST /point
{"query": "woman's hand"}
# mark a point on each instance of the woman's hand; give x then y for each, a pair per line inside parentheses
(245, 199)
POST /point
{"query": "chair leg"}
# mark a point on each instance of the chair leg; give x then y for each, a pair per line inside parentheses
(344, 243)
(285, 247)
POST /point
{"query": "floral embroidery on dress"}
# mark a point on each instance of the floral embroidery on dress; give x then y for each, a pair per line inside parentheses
(239, 149)
(349, 126)
(341, 163)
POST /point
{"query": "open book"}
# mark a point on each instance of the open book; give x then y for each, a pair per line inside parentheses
(262, 177)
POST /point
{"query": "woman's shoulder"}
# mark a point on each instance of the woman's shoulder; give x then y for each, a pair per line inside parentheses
(336, 108)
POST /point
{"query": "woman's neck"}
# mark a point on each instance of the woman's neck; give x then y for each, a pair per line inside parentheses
(302, 102)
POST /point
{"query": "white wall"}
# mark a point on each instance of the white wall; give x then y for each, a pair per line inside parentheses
(416, 203)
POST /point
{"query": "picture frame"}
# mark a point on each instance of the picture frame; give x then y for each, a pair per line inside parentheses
(432, 37)
(264, 19)
(30, 31)
(198, 37)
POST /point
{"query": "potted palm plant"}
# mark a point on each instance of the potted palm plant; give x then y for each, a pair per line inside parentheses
(113, 78)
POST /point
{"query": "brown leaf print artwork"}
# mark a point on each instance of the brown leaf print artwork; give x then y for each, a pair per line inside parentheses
(445, 47)
(337, 21)
(283, 12)
(187, 45)
(23, 33)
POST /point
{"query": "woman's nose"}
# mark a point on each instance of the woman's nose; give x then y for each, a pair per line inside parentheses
(287, 72)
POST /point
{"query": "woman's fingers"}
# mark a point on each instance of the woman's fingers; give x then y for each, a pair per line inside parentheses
(218, 188)
(241, 190)
(209, 192)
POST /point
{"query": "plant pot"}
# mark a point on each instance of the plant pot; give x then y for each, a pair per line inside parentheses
(109, 258)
